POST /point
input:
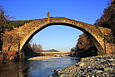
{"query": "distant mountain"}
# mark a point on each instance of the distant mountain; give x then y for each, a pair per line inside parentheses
(51, 50)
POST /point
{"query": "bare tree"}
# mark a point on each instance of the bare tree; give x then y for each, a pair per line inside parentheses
(36, 48)
(3, 20)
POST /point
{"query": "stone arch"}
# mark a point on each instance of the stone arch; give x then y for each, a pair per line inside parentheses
(28, 30)
(99, 47)
(86, 30)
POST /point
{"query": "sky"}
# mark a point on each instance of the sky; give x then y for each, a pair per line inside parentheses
(59, 37)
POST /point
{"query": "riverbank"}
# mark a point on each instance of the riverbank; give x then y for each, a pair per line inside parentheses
(7, 56)
(43, 58)
(96, 66)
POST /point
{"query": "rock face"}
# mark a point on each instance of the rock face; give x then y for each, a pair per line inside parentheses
(85, 47)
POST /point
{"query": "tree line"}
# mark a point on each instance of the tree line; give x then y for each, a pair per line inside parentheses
(36, 48)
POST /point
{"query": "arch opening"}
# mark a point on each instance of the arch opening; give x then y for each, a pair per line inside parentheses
(96, 43)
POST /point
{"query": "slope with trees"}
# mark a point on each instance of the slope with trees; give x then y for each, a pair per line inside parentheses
(85, 46)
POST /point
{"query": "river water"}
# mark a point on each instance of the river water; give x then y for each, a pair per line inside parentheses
(41, 68)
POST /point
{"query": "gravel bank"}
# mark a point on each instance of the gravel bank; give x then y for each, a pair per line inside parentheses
(43, 58)
(97, 66)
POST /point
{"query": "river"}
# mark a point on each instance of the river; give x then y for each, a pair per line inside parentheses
(41, 68)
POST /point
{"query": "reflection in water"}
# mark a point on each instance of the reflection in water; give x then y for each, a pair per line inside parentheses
(35, 68)
(12, 69)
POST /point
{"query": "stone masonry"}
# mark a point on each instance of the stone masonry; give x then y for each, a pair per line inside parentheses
(18, 37)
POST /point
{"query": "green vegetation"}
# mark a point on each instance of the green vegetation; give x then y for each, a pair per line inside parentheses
(96, 27)
(100, 33)
(109, 38)
(17, 23)
(12, 24)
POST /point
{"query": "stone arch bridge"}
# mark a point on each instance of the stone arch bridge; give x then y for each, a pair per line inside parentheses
(17, 38)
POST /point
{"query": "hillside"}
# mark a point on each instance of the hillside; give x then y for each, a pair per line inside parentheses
(51, 50)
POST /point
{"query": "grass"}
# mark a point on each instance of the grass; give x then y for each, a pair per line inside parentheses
(17, 23)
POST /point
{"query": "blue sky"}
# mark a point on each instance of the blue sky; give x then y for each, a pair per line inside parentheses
(58, 37)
